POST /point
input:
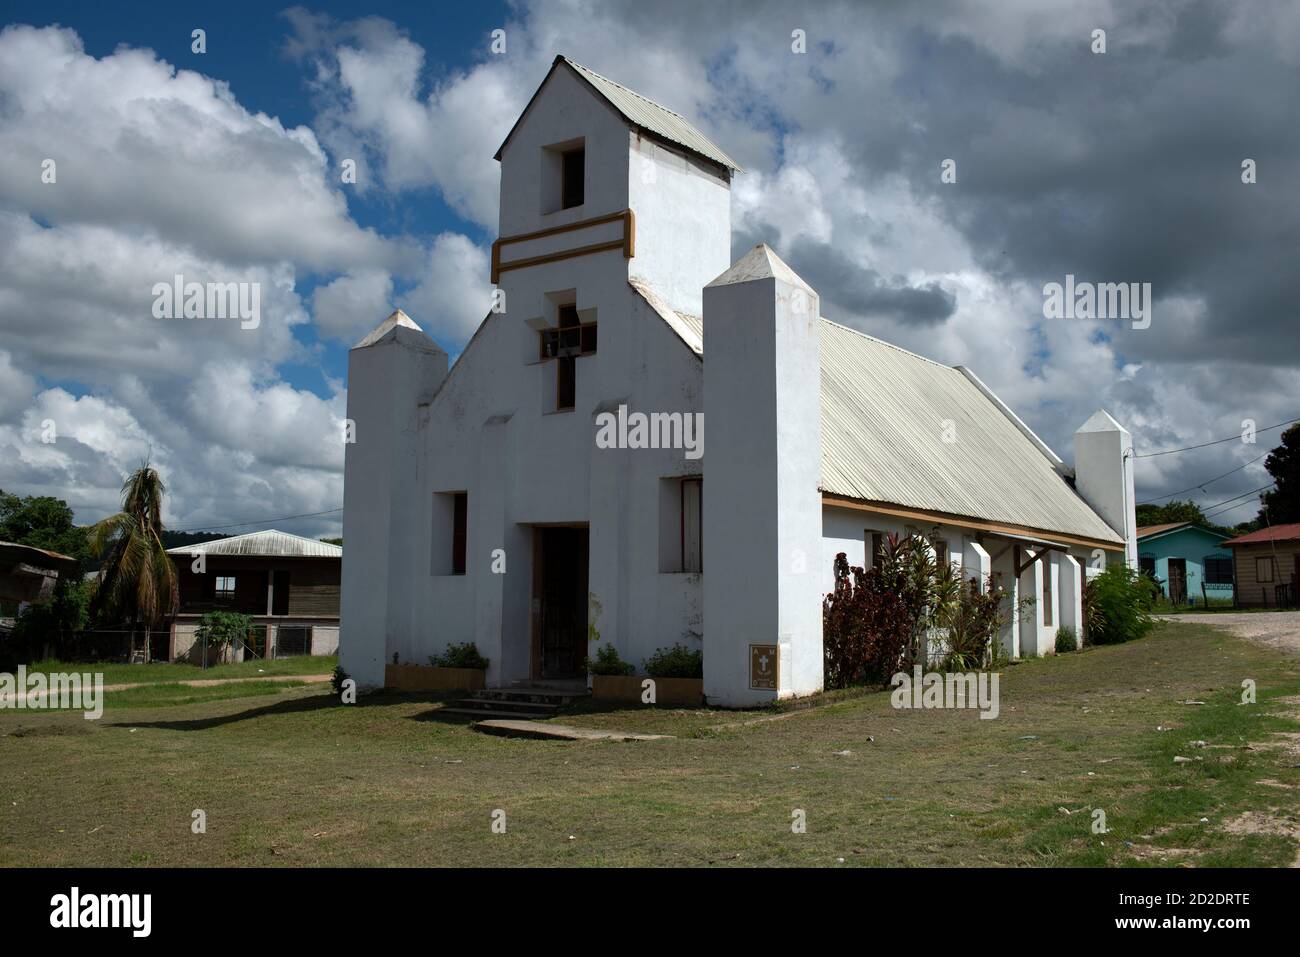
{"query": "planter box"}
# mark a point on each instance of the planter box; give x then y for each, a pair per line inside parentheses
(669, 692)
(428, 678)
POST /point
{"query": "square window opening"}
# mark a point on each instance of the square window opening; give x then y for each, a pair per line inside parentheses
(573, 175)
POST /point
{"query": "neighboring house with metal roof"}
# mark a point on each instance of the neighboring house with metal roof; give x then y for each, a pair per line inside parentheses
(549, 493)
(27, 576)
(1266, 562)
(288, 585)
(1188, 561)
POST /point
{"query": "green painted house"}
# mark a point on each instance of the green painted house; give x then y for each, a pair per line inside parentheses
(1188, 560)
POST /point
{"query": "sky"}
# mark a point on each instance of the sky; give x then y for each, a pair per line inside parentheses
(928, 168)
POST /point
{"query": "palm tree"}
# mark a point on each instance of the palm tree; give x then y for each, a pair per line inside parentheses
(137, 582)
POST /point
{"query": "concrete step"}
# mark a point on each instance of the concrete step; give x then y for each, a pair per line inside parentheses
(480, 713)
(552, 696)
(560, 732)
(508, 704)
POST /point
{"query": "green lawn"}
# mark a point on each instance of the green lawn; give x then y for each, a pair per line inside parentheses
(297, 779)
(163, 672)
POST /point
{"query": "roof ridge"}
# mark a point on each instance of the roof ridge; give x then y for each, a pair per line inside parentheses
(908, 352)
(625, 89)
(261, 531)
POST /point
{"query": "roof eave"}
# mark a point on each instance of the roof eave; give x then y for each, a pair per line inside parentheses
(728, 167)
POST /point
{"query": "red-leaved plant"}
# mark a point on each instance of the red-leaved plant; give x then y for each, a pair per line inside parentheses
(875, 622)
(866, 627)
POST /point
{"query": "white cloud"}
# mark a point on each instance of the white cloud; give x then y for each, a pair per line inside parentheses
(454, 294)
(374, 109)
(16, 387)
(161, 172)
(352, 304)
(139, 142)
(824, 136)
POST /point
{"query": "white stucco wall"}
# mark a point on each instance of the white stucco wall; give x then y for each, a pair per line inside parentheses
(324, 639)
(489, 428)
(683, 216)
(387, 382)
(762, 507)
(492, 430)
(1104, 467)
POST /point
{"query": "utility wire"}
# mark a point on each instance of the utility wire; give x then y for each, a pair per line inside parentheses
(260, 521)
(1227, 501)
(1231, 438)
(1201, 485)
(1231, 508)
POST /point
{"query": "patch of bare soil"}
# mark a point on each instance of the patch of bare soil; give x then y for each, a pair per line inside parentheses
(1277, 629)
(1170, 855)
(1260, 822)
(1289, 744)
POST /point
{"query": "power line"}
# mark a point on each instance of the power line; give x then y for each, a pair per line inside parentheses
(1231, 438)
(1226, 501)
(1201, 485)
(1230, 508)
(260, 521)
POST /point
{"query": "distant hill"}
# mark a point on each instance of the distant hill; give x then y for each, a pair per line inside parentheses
(177, 539)
(170, 540)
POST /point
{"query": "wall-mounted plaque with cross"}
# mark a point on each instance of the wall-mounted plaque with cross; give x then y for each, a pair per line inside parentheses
(763, 667)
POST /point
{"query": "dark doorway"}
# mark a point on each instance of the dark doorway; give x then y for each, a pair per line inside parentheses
(1178, 581)
(560, 593)
(255, 643)
(280, 593)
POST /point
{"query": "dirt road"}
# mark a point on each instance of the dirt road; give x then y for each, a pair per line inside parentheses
(1278, 629)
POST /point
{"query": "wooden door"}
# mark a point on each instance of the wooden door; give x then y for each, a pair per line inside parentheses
(1178, 581)
(563, 602)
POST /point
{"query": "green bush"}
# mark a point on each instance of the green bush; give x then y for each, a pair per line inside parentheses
(1117, 606)
(1066, 640)
(675, 662)
(224, 628)
(337, 679)
(460, 656)
(607, 662)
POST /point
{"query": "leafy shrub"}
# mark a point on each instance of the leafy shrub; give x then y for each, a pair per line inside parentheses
(1066, 640)
(1117, 606)
(675, 662)
(607, 662)
(337, 679)
(460, 656)
(874, 621)
(973, 620)
(222, 628)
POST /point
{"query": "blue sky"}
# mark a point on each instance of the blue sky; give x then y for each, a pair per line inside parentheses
(245, 48)
(1114, 167)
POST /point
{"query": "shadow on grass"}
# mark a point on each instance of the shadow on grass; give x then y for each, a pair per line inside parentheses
(305, 705)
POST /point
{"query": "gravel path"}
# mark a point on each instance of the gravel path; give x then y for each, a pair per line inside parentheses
(1278, 629)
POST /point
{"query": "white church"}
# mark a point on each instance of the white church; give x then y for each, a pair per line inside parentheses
(486, 503)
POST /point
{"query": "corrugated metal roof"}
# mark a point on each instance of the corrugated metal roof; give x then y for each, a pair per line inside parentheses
(1275, 533)
(884, 411)
(649, 115)
(883, 415)
(688, 328)
(267, 544)
(696, 326)
(13, 553)
(1145, 530)
(641, 112)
